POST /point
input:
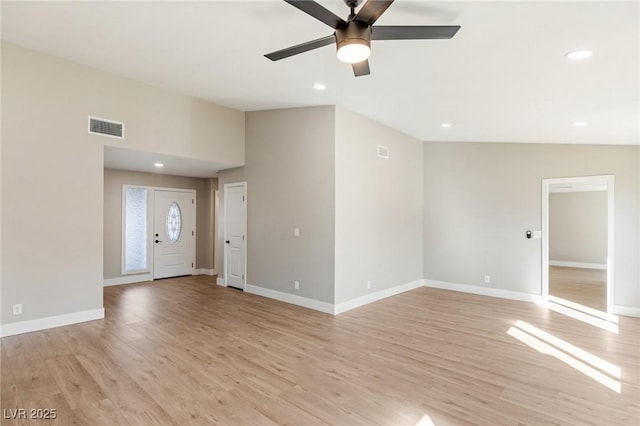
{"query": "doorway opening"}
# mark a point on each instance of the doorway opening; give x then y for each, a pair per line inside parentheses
(159, 231)
(577, 243)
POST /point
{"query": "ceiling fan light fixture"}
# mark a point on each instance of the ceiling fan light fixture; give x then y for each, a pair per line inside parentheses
(354, 42)
(354, 51)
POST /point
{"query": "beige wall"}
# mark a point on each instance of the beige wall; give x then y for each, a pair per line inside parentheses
(52, 170)
(578, 227)
(360, 217)
(113, 181)
(480, 198)
(378, 207)
(290, 183)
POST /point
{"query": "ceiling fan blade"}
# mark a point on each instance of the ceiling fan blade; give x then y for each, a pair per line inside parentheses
(372, 10)
(361, 68)
(301, 48)
(381, 32)
(319, 12)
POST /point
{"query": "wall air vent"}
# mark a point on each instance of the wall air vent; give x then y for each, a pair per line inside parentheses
(100, 126)
(383, 152)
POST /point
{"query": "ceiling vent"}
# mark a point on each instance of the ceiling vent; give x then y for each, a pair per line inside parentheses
(100, 126)
(383, 152)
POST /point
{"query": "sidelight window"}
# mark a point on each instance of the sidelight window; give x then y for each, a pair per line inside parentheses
(135, 241)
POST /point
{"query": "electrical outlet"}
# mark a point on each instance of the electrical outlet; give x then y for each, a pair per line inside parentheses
(296, 232)
(296, 285)
(368, 283)
(17, 309)
(487, 279)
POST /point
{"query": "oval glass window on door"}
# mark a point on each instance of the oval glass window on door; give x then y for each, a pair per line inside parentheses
(174, 222)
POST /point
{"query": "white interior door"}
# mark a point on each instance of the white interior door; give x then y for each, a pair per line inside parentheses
(235, 234)
(174, 241)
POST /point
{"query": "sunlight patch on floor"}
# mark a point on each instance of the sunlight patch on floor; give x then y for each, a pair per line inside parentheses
(551, 345)
(425, 421)
(607, 367)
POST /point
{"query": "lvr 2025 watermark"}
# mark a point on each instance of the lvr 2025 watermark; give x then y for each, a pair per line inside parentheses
(32, 413)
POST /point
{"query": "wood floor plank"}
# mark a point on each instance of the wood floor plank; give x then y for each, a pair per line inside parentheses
(115, 382)
(278, 410)
(327, 410)
(188, 352)
(74, 382)
(587, 287)
(9, 397)
(50, 344)
(99, 413)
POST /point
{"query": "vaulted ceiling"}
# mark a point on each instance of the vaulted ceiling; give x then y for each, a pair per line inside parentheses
(503, 78)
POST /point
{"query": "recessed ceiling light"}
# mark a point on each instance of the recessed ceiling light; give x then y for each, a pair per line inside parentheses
(579, 54)
(158, 165)
(579, 123)
(319, 86)
(446, 125)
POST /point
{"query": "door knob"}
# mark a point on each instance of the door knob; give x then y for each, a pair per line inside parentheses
(158, 241)
(228, 242)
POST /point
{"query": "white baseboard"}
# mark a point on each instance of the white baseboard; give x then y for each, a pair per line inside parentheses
(373, 297)
(127, 279)
(584, 265)
(205, 271)
(339, 308)
(582, 308)
(220, 281)
(50, 322)
(316, 305)
(484, 291)
(627, 311)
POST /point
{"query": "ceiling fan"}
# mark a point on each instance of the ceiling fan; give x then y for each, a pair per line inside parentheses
(353, 36)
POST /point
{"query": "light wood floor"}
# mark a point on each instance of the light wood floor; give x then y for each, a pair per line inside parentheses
(187, 352)
(587, 287)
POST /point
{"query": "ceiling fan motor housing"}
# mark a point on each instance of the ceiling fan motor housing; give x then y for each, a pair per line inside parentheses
(354, 32)
(352, 4)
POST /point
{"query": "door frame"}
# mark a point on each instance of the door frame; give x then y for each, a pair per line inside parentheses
(225, 214)
(149, 271)
(607, 180)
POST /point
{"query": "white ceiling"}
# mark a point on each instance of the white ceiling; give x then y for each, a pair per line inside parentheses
(143, 161)
(502, 78)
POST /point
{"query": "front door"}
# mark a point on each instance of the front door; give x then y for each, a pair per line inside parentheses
(235, 235)
(174, 241)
